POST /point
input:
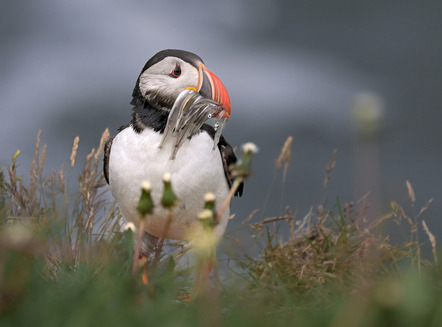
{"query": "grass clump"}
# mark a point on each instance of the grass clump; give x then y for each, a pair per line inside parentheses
(64, 261)
(71, 228)
(328, 254)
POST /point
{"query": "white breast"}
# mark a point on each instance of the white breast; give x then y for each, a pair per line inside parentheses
(196, 170)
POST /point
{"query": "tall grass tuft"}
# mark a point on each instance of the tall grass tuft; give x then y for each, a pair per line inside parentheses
(69, 222)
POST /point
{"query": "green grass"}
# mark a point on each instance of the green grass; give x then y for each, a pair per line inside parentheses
(65, 262)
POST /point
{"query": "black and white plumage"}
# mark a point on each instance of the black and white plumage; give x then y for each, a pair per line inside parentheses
(133, 155)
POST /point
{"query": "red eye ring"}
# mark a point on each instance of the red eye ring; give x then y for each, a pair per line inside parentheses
(176, 71)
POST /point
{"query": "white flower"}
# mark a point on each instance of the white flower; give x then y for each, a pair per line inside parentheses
(250, 148)
(166, 177)
(129, 226)
(209, 197)
(145, 185)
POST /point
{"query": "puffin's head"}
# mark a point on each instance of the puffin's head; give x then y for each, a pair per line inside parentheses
(170, 72)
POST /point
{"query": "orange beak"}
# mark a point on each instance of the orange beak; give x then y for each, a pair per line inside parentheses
(210, 86)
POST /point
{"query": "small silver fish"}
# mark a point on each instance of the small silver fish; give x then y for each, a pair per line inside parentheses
(189, 112)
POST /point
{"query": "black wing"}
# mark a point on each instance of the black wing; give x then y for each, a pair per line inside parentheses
(107, 151)
(227, 155)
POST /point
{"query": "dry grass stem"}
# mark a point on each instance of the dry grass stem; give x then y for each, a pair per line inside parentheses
(74, 150)
(432, 241)
(250, 217)
(284, 157)
(42, 158)
(329, 168)
(400, 213)
(425, 208)
(410, 192)
(103, 139)
(61, 180)
(259, 226)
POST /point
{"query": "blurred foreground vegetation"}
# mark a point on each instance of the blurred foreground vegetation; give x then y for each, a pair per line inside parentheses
(65, 261)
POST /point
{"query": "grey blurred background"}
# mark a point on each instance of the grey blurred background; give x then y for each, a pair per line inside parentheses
(299, 68)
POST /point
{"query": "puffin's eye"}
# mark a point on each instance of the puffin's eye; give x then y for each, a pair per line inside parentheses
(176, 72)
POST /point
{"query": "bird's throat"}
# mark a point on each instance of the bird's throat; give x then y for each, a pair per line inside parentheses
(145, 115)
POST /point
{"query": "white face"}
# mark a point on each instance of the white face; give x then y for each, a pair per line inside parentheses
(160, 88)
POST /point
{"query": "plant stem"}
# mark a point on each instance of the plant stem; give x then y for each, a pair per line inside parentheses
(138, 246)
(236, 183)
(163, 237)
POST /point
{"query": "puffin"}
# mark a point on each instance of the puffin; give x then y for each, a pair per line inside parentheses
(138, 152)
